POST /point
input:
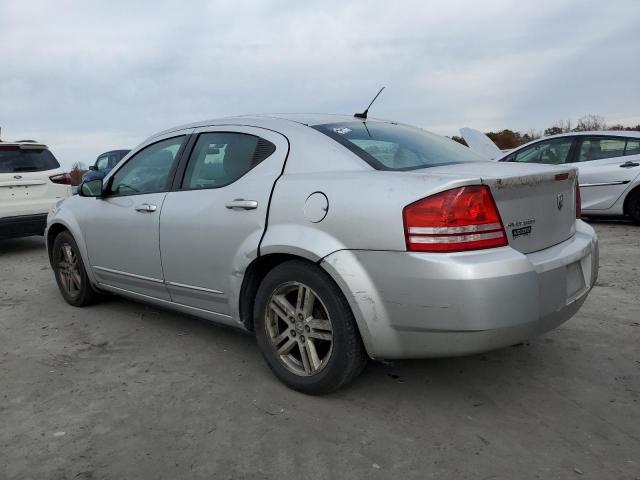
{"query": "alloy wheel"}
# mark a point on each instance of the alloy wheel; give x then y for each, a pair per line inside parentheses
(68, 270)
(300, 329)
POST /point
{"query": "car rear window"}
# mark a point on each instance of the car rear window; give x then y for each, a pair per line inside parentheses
(15, 159)
(388, 146)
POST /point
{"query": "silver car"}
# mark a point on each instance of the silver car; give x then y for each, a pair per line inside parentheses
(333, 238)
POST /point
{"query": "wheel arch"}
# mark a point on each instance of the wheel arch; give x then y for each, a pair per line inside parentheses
(630, 193)
(53, 231)
(68, 224)
(254, 274)
(261, 266)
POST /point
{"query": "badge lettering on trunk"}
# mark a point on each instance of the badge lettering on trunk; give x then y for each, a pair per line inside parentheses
(560, 201)
(518, 232)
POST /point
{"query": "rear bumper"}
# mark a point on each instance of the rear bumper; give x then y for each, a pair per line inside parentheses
(412, 305)
(23, 225)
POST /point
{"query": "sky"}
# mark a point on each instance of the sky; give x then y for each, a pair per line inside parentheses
(89, 76)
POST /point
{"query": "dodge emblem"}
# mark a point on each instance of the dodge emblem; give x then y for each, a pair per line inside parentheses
(560, 200)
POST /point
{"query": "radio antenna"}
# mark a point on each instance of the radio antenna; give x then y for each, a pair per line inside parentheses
(363, 115)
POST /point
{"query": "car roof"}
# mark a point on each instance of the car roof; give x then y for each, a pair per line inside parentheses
(25, 144)
(281, 122)
(114, 151)
(597, 133)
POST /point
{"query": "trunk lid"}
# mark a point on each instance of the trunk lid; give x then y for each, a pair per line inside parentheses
(536, 202)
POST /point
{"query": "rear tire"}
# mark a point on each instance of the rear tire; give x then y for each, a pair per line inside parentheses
(633, 207)
(306, 330)
(70, 273)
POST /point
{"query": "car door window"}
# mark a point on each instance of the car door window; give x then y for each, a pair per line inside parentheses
(599, 148)
(552, 152)
(148, 170)
(633, 147)
(220, 158)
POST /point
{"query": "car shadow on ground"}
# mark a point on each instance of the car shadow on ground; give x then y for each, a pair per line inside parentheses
(608, 220)
(21, 245)
(412, 378)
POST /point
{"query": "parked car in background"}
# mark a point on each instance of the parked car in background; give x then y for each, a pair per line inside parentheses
(608, 163)
(31, 182)
(333, 238)
(103, 164)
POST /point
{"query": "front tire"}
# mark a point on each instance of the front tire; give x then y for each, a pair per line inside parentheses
(306, 330)
(70, 273)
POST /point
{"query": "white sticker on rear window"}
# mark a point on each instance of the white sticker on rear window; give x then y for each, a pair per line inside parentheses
(342, 130)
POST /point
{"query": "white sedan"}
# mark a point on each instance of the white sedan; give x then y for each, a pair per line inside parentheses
(608, 165)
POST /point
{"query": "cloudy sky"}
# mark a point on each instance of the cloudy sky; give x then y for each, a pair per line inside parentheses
(86, 76)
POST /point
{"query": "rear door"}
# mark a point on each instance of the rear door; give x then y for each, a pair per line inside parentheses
(215, 219)
(121, 229)
(604, 169)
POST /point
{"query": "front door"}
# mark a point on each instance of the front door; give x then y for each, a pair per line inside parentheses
(213, 223)
(121, 229)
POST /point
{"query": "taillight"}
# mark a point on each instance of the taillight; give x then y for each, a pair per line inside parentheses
(464, 218)
(578, 202)
(63, 178)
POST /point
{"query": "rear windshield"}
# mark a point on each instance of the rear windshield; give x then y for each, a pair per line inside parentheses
(14, 159)
(387, 146)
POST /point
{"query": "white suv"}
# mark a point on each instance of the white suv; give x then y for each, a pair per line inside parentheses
(31, 182)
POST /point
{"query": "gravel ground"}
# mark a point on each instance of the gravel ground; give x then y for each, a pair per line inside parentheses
(125, 391)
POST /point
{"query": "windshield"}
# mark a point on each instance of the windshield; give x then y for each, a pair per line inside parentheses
(388, 146)
(15, 159)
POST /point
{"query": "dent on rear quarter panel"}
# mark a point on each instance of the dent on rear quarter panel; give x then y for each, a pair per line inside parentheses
(363, 298)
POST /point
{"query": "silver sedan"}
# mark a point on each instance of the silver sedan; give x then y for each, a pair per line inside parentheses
(333, 238)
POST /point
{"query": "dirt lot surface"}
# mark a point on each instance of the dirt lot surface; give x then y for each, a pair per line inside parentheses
(125, 391)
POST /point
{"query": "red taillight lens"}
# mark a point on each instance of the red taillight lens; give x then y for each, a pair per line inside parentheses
(63, 178)
(464, 218)
(578, 202)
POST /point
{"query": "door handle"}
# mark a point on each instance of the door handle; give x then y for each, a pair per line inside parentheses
(146, 207)
(630, 164)
(242, 204)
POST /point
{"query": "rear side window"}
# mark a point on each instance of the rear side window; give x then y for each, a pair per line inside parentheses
(14, 159)
(387, 146)
(220, 158)
(600, 148)
(633, 147)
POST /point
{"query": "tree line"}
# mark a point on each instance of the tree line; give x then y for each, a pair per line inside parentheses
(508, 139)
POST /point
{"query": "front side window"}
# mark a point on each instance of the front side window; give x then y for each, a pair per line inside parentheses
(387, 146)
(220, 158)
(633, 147)
(552, 152)
(600, 148)
(148, 170)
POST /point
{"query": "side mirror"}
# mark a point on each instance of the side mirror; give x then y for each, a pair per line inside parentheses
(92, 188)
(93, 167)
